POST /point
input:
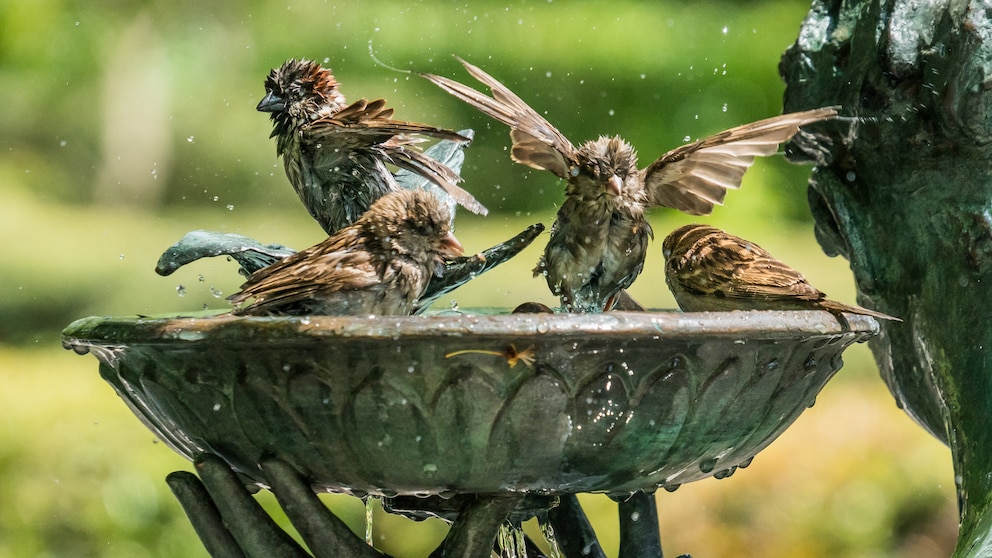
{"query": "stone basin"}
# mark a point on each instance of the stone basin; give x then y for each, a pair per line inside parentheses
(616, 402)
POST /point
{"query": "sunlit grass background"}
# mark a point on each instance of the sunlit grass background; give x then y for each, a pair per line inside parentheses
(125, 126)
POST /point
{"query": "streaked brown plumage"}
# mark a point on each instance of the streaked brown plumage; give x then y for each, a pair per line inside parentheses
(708, 269)
(379, 265)
(599, 240)
(335, 154)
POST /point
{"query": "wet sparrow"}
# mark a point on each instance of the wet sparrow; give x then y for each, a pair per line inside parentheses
(335, 154)
(708, 269)
(379, 265)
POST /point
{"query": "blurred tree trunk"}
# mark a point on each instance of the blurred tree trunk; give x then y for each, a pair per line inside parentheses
(905, 197)
(136, 131)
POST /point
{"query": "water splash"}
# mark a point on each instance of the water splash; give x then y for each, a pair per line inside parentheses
(554, 551)
(511, 542)
(369, 507)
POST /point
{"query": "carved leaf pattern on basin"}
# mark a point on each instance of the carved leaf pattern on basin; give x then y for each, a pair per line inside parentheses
(611, 403)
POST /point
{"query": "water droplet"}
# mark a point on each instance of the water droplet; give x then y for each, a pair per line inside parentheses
(635, 516)
(122, 256)
(671, 487)
(215, 292)
(200, 278)
(724, 473)
(543, 327)
(180, 290)
(189, 139)
(850, 176)
(216, 406)
(707, 465)
(63, 143)
(230, 207)
(746, 463)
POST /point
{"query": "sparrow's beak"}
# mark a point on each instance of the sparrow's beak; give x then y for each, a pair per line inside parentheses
(449, 246)
(614, 185)
(271, 103)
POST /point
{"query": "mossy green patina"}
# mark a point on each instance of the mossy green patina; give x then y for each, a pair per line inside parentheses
(907, 198)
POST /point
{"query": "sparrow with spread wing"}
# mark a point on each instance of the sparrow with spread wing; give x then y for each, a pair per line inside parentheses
(708, 269)
(599, 239)
(335, 154)
(379, 265)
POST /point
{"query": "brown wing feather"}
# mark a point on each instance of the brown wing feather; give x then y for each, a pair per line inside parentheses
(696, 176)
(715, 263)
(422, 165)
(341, 256)
(369, 123)
(536, 142)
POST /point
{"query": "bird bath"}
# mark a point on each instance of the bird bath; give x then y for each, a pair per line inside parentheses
(620, 403)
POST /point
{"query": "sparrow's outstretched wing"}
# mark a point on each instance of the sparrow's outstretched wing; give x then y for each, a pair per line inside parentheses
(536, 143)
(695, 177)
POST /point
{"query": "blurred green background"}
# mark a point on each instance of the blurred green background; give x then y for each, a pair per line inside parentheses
(126, 124)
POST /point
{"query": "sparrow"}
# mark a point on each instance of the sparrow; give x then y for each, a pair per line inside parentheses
(381, 264)
(335, 153)
(708, 269)
(600, 236)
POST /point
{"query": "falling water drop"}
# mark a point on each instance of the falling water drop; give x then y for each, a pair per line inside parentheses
(554, 551)
(511, 541)
(369, 505)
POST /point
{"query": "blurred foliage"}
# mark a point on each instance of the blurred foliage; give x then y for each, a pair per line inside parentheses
(127, 124)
